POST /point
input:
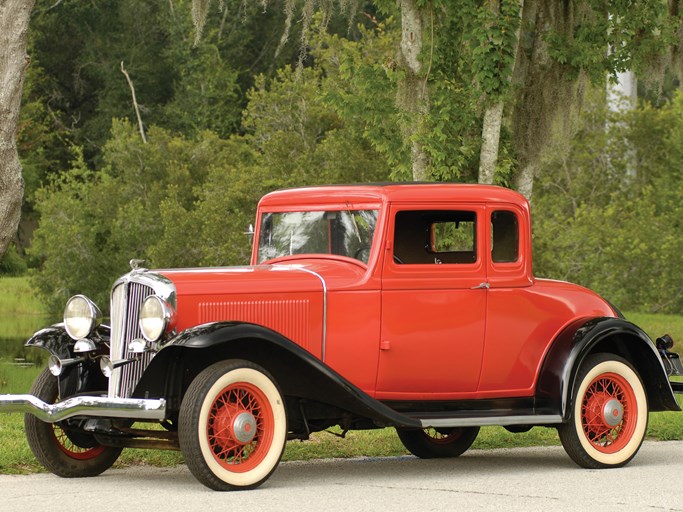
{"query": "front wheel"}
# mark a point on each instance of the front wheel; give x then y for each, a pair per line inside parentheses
(431, 443)
(609, 414)
(232, 426)
(61, 448)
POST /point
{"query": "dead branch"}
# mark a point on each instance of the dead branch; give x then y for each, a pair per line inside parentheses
(135, 103)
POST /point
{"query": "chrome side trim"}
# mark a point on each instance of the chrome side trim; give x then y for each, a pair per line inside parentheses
(487, 421)
(90, 406)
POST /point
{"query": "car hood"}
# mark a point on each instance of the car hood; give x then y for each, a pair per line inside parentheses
(300, 275)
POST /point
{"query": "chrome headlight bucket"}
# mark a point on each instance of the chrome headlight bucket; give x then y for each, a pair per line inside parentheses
(157, 317)
(81, 317)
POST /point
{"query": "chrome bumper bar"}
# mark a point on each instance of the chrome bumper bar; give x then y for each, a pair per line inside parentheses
(87, 406)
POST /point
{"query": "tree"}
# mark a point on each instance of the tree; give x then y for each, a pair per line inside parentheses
(498, 43)
(412, 96)
(619, 237)
(14, 19)
(563, 47)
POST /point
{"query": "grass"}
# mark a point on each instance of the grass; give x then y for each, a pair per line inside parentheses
(18, 298)
(656, 325)
(20, 308)
(15, 456)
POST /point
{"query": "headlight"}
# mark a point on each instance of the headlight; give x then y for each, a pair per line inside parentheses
(81, 316)
(156, 318)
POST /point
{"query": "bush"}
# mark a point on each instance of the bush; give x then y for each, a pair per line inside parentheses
(178, 201)
(11, 264)
(608, 213)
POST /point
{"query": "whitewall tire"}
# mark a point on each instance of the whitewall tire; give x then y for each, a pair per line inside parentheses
(609, 414)
(233, 426)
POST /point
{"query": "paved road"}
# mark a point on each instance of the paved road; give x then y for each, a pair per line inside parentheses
(524, 479)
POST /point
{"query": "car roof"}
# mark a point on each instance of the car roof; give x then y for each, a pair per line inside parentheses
(379, 193)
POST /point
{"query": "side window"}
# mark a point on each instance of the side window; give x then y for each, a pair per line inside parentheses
(435, 237)
(504, 237)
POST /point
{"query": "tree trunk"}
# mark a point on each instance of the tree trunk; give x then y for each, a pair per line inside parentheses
(524, 180)
(490, 139)
(14, 20)
(493, 116)
(413, 96)
(547, 96)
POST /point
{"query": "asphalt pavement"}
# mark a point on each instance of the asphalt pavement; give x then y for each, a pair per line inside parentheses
(520, 479)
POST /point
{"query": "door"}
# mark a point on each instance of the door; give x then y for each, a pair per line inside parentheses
(434, 295)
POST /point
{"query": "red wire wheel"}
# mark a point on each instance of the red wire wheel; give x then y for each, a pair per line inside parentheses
(232, 426)
(63, 449)
(609, 412)
(608, 416)
(240, 427)
(72, 450)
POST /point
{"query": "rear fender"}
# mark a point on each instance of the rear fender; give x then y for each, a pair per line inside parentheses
(297, 372)
(556, 382)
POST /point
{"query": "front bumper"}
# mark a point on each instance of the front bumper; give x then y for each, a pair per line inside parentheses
(85, 406)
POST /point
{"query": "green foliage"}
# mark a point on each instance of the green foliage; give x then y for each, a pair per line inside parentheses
(93, 223)
(609, 213)
(11, 264)
(17, 298)
(41, 135)
(637, 34)
(188, 201)
(493, 40)
(361, 88)
(181, 87)
(228, 121)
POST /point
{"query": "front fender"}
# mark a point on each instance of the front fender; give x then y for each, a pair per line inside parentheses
(297, 372)
(57, 341)
(54, 339)
(77, 378)
(556, 382)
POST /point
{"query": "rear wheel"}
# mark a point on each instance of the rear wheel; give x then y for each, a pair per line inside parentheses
(609, 414)
(61, 448)
(233, 426)
(431, 443)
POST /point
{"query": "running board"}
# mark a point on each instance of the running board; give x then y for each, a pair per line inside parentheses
(487, 421)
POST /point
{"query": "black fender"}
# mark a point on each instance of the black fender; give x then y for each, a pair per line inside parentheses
(57, 341)
(77, 378)
(54, 339)
(297, 372)
(582, 337)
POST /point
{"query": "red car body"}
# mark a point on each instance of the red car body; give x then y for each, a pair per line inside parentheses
(405, 305)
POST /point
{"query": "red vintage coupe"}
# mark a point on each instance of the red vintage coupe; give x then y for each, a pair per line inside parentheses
(411, 306)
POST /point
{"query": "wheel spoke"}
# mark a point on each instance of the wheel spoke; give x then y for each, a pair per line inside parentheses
(71, 449)
(239, 398)
(604, 390)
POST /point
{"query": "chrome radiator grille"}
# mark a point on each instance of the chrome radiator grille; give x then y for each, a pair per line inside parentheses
(126, 300)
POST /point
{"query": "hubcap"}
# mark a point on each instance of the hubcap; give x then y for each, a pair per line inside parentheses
(244, 427)
(613, 412)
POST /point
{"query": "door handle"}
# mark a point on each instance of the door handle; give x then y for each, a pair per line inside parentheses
(481, 286)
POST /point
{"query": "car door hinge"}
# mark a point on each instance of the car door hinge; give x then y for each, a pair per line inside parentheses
(385, 345)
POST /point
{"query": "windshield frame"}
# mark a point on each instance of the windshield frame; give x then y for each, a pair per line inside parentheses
(317, 213)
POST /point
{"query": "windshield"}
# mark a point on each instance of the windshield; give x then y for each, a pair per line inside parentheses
(346, 233)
